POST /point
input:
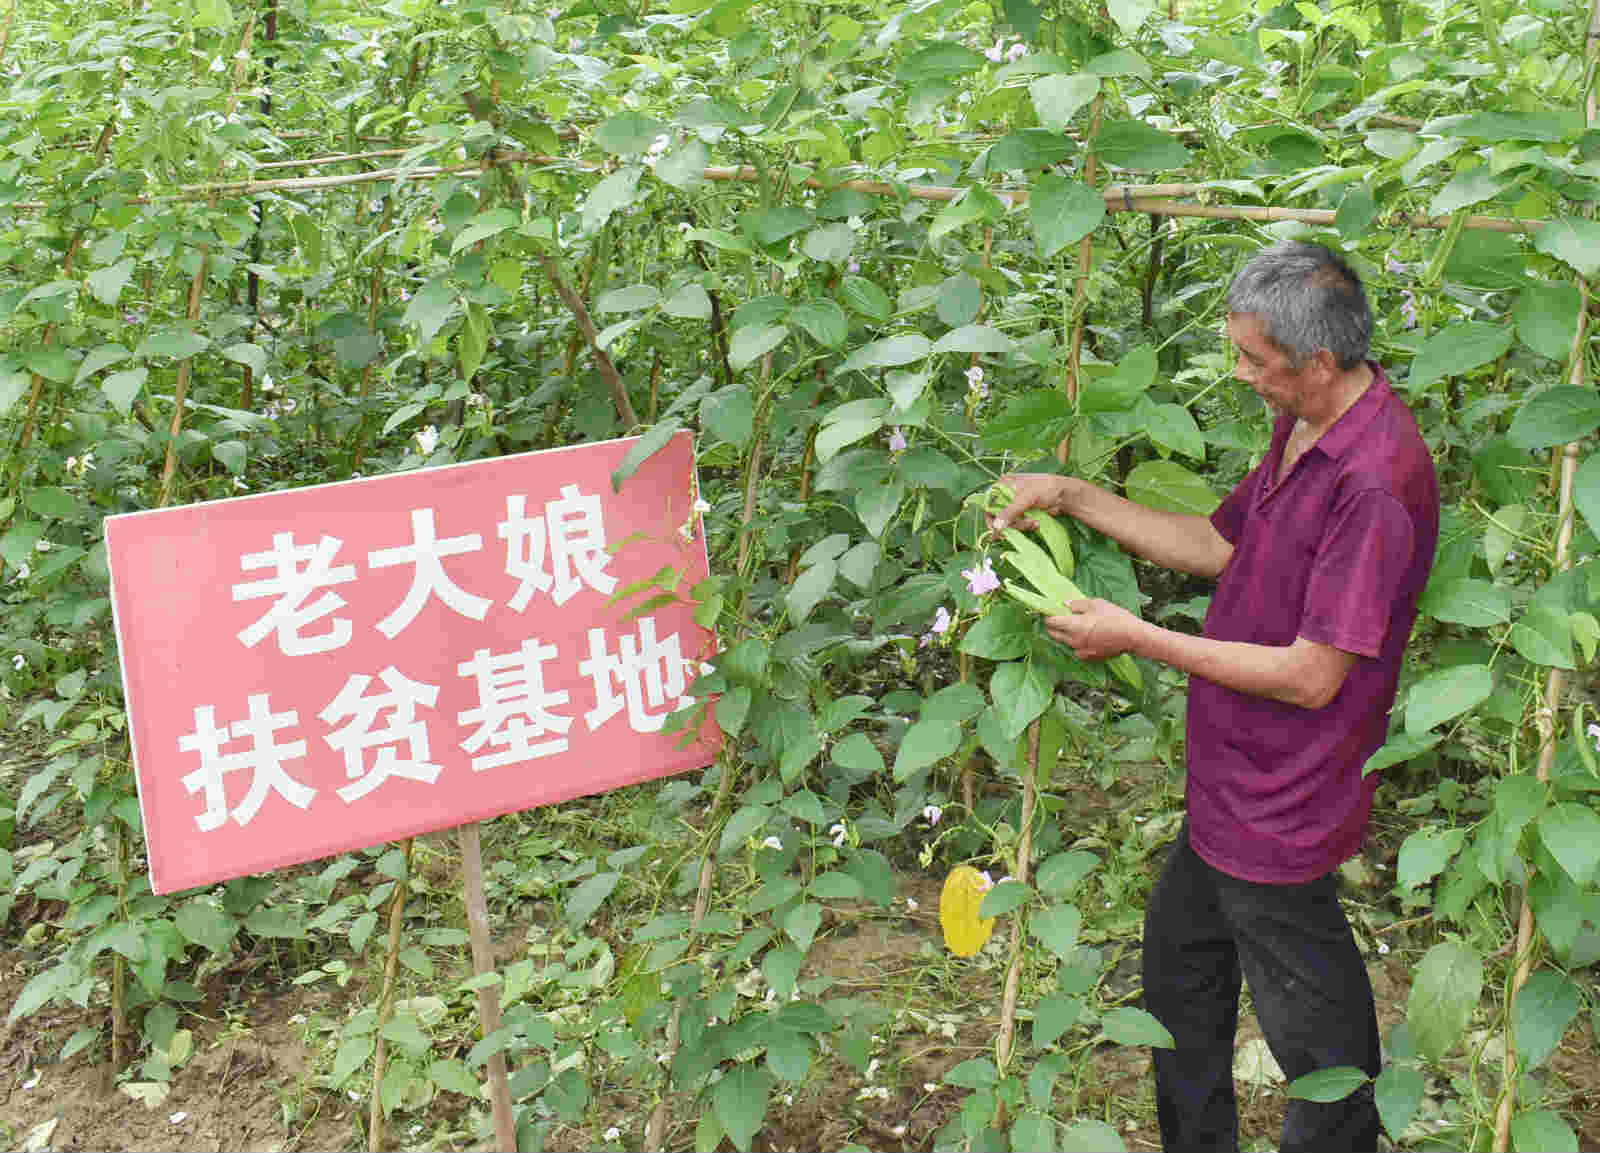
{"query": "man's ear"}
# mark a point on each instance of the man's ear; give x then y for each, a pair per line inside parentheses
(1325, 365)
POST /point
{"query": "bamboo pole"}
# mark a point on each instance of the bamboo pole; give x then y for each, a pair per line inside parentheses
(1005, 1041)
(391, 965)
(1080, 287)
(505, 1128)
(5, 33)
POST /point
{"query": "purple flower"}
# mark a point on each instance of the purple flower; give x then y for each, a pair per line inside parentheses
(897, 440)
(1393, 266)
(853, 266)
(981, 580)
(1016, 52)
(1408, 308)
(941, 621)
(996, 52)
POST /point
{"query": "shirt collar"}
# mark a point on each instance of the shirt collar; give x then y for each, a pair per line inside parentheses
(1347, 430)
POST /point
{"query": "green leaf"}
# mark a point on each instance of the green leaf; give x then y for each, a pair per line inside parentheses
(611, 195)
(1540, 1015)
(353, 1053)
(684, 167)
(746, 820)
(1134, 144)
(586, 899)
(50, 502)
(1003, 634)
(1057, 99)
(1033, 1131)
(890, 352)
(1033, 422)
(802, 922)
(1173, 428)
(483, 226)
(1402, 746)
(1455, 349)
(1064, 872)
(975, 338)
(627, 134)
(876, 505)
(1062, 212)
(1129, 15)
(106, 354)
(939, 60)
(739, 1102)
(280, 921)
(1129, 1026)
(1327, 1085)
(857, 753)
(862, 296)
(729, 414)
(1586, 492)
(732, 708)
(1003, 898)
(453, 1076)
(691, 302)
(1571, 832)
(106, 284)
(1555, 416)
(1443, 695)
(1549, 127)
(1475, 603)
(754, 341)
(1053, 1016)
(1021, 691)
(1467, 188)
(973, 205)
(1425, 853)
(1091, 1137)
(1398, 1092)
(1544, 637)
(926, 743)
(836, 886)
(631, 299)
(810, 588)
(1028, 151)
(973, 1073)
(1574, 242)
(1057, 928)
(1542, 1131)
(840, 433)
(653, 441)
(206, 925)
(49, 361)
(1548, 317)
(434, 303)
(13, 387)
(823, 321)
(230, 454)
(405, 1031)
(830, 244)
(252, 355)
(1444, 992)
(1357, 210)
(1167, 485)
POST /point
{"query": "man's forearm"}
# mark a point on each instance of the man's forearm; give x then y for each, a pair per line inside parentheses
(1173, 540)
(1304, 674)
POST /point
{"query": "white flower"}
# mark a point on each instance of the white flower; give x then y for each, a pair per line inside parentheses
(290, 404)
(125, 63)
(72, 464)
(86, 463)
(1382, 948)
(477, 400)
(42, 545)
(684, 226)
(880, 1092)
(241, 54)
(22, 574)
(298, 1019)
(854, 224)
(611, 1134)
(659, 144)
(911, 905)
(427, 439)
(838, 835)
(17, 662)
(929, 1087)
(266, 382)
(702, 505)
(31, 1081)
(1511, 556)
(1016, 52)
(974, 376)
(238, 483)
(216, 64)
(772, 843)
(178, 1117)
(932, 813)
(355, 476)
(988, 881)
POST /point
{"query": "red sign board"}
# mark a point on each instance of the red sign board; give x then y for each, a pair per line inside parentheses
(314, 671)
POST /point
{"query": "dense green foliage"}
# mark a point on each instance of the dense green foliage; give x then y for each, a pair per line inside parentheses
(860, 362)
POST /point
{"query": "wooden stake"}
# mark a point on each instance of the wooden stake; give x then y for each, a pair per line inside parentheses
(505, 1126)
(1005, 1042)
(1080, 288)
(391, 964)
(580, 311)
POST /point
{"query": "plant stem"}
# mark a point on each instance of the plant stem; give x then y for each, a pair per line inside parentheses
(505, 1127)
(1005, 1042)
(391, 964)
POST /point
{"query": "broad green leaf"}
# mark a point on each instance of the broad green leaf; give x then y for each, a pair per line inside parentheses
(120, 388)
(802, 922)
(978, 338)
(483, 226)
(453, 1076)
(1062, 212)
(1547, 317)
(1003, 634)
(889, 352)
(1091, 1137)
(1443, 695)
(754, 341)
(1120, 389)
(729, 414)
(13, 387)
(1357, 210)
(1542, 1131)
(1033, 1130)
(830, 244)
(631, 299)
(1500, 535)
(1327, 1085)
(1021, 691)
(588, 897)
(938, 60)
(1057, 99)
(1571, 832)
(230, 454)
(1028, 150)
(1544, 637)
(862, 296)
(1119, 62)
(822, 320)
(652, 442)
(1425, 853)
(1468, 188)
(684, 167)
(1398, 1092)
(251, 355)
(840, 433)
(1455, 349)
(1573, 241)
(627, 134)
(1547, 126)
(472, 342)
(724, 241)
(1005, 897)
(611, 195)
(1444, 992)
(50, 361)
(1555, 416)
(876, 505)
(739, 1101)
(973, 205)
(106, 354)
(1033, 422)
(836, 886)
(1129, 1026)
(1053, 1016)
(353, 1053)
(1586, 632)
(1167, 485)
(973, 1073)
(809, 589)
(107, 283)
(926, 743)
(1543, 1009)
(732, 708)
(858, 753)
(1173, 428)
(1064, 872)
(1134, 144)
(1057, 928)
(1464, 601)
(1129, 15)
(691, 302)
(1402, 746)
(960, 298)
(434, 303)
(206, 925)
(774, 225)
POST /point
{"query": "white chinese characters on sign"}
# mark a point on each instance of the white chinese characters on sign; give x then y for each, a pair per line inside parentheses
(648, 671)
(425, 552)
(265, 760)
(301, 570)
(513, 706)
(402, 727)
(574, 533)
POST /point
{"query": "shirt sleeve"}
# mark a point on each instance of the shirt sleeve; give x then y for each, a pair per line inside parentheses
(1361, 562)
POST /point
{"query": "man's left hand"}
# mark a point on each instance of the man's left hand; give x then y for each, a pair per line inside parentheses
(1095, 629)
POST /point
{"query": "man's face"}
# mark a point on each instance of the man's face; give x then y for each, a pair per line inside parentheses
(1263, 366)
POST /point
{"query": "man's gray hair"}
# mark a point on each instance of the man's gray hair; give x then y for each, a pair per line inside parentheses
(1308, 298)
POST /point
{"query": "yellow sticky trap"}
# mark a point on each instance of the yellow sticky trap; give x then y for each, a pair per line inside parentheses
(964, 933)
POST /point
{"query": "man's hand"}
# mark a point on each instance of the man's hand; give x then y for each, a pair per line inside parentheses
(1095, 629)
(1041, 490)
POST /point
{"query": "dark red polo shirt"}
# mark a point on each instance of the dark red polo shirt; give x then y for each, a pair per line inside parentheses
(1337, 553)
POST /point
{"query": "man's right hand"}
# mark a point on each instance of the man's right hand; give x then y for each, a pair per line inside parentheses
(1041, 490)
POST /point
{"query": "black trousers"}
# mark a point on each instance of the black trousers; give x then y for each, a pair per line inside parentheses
(1202, 930)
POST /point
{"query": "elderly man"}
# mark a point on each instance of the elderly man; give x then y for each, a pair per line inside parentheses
(1319, 555)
